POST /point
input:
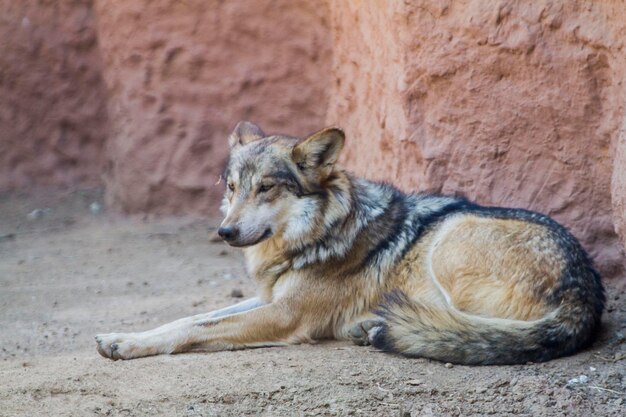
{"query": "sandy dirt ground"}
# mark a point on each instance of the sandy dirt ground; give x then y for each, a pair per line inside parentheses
(67, 274)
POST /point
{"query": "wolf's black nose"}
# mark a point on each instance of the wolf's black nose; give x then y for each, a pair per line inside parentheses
(228, 232)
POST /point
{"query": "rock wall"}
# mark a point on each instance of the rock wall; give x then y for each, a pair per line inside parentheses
(509, 103)
(181, 74)
(53, 120)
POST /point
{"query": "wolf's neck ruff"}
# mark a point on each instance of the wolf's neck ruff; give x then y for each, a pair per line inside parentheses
(348, 209)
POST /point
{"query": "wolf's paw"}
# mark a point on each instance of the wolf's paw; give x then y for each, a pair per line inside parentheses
(120, 346)
(363, 332)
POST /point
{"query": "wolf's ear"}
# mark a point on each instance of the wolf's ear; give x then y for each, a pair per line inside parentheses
(319, 151)
(244, 133)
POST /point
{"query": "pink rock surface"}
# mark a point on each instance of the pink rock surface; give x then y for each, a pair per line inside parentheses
(181, 74)
(513, 104)
(53, 120)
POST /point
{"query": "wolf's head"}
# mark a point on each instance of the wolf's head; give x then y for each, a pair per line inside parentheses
(275, 185)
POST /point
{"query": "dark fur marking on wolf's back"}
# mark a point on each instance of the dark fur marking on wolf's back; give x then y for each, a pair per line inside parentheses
(422, 275)
(396, 211)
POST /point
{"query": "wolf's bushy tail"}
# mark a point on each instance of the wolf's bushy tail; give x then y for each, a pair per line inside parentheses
(442, 332)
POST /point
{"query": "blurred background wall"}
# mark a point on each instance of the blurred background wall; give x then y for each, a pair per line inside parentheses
(53, 118)
(509, 103)
(179, 76)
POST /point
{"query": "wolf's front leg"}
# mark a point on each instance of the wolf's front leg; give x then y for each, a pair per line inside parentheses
(107, 344)
(262, 325)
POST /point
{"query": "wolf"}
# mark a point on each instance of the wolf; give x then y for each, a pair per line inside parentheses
(419, 274)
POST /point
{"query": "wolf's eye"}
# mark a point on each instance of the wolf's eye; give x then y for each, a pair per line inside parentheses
(265, 188)
(231, 186)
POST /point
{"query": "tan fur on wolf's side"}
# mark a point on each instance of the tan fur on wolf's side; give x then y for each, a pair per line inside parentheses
(418, 274)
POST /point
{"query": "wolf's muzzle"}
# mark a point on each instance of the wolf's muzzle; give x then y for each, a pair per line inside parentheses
(228, 233)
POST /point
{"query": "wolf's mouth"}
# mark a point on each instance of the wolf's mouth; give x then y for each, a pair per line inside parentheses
(266, 235)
